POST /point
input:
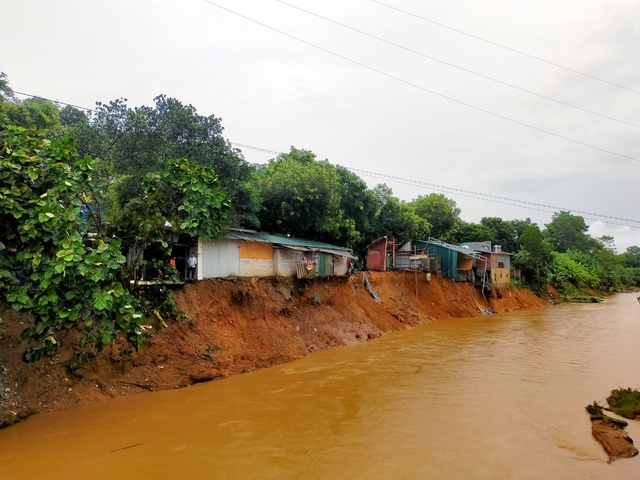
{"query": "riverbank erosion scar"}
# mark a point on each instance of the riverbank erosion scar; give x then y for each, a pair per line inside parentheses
(234, 325)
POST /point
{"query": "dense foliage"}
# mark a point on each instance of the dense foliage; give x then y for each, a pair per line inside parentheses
(56, 260)
(61, 257)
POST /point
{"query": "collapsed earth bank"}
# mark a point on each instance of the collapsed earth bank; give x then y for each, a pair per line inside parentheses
(232, 326)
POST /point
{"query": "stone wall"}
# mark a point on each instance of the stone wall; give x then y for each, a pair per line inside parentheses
(251, 267)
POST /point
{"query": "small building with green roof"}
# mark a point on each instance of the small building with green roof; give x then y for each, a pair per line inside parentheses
(247, 253)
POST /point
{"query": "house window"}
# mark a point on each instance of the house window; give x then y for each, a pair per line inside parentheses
(500, 264)
(501, 275)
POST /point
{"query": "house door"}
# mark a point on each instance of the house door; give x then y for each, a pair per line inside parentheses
(325, 264)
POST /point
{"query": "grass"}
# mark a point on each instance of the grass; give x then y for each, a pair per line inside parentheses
(595, 413)
(625, 402)
(581, 299)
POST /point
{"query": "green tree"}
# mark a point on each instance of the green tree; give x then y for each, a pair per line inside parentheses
(60, 261)
(6, 93)
(185, 196)
(396, 219)
(441, 213)
(32, 112)
(303, 197)
(502, 232)
(358, 203)
(71, 116)
(71, 265)
(631, 258)
(534, 257)
(468, 232)
(137, 141)
(568, 231)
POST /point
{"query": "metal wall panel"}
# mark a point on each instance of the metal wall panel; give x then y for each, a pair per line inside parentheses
(220, 258)
(377, 256)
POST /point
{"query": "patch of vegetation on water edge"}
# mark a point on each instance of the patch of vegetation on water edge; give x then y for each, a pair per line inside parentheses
(625, 402)
(595, 413)
(581, 299)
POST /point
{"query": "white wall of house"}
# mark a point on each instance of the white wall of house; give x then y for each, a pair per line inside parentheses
(218, 258)
(339, 265)
(221, 258)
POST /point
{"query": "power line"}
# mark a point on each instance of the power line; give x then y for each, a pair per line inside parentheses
(54, 101)
(457, 66)
(471, 194)
(505, 47)
(496, 199)
(406, 82)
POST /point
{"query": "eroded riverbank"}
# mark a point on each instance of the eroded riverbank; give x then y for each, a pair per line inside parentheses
(235, 326)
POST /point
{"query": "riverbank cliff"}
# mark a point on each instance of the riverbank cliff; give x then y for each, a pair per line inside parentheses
(232, 326)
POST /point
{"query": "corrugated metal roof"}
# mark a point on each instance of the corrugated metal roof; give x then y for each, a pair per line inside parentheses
(263, 237)
(422, 244)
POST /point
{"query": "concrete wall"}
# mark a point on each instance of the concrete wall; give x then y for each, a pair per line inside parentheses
(286, 262)
(500, 277)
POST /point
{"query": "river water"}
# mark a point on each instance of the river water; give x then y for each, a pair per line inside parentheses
(480, 398)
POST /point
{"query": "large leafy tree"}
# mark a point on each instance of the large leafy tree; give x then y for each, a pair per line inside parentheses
(631, 258)
(136, 141)
(303, 197)
(567, 231)
(32, 112)
(468, 232)
(502, 232)
(441, 213)
(6, 93)
(358, 203)
(396, 219)
(534, 257)
(57, 261)
(60, 260)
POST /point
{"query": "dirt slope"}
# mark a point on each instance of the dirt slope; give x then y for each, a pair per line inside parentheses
(235, 325)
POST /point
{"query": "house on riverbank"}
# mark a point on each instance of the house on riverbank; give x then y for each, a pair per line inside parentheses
(474, 262)
(247, 253)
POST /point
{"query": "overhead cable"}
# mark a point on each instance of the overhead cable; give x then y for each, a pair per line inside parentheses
(519, 52)
(457, 66)
(53, 101)
(406, 82)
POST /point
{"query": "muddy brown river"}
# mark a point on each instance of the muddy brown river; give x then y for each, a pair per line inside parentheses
(480, 398)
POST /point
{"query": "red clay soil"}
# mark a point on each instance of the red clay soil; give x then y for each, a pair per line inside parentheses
(614, 439)
(234, 325)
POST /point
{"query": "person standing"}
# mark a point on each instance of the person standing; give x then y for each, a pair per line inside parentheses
(191, 266)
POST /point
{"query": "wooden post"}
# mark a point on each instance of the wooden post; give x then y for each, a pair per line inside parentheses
(393, 252)
(415, 269)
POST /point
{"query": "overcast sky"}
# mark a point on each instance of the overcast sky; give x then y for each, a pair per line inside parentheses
(273, 92)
